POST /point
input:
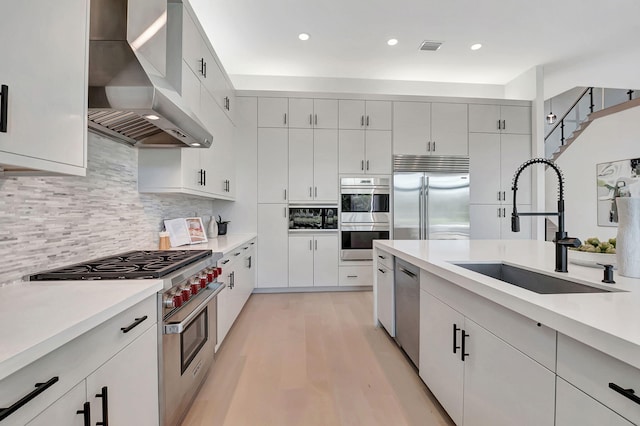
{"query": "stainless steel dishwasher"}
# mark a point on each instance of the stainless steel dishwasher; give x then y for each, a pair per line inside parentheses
(407, 288)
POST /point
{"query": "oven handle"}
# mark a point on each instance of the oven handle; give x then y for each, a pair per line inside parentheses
(364, 227)
(182, 325)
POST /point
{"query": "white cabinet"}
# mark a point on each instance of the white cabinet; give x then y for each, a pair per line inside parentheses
(500, 119)
(613, 383)
(493, 160)
(370, 115)
(313, 260)
(355, 276)
(125, 363)
(364, 152)
(128, 401)
(574, 407)
(313, 113)
(313, 165)
(421, 128)
(273, 245)
(440, 368)
(219, 160)
(273, 112)
(273, 165)
(238, 273)
(385, 293)
(31, 68)
(485, 364)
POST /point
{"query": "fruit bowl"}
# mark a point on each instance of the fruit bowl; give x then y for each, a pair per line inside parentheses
(593, 260)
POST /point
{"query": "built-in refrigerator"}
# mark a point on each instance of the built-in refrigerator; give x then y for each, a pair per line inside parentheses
(431, 198)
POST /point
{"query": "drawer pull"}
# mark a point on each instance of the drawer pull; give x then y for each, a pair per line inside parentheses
(224, 262)
(463, 350)
(236, 254)
(134, 324)
(4, 107)
(381, 257)
(40, 387)
(629, 393)
(105, 407)
(86, 413)
(352, 276)
(455, 338)
(381, 270)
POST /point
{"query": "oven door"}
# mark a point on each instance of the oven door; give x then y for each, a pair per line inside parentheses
(188, 341)
(357, 240)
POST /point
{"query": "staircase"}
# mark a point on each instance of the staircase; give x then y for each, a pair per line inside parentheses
(558, 130)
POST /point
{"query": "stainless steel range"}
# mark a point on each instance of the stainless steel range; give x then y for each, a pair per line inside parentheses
(187, 306)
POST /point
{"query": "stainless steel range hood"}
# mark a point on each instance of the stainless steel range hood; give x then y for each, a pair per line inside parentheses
(128, 98)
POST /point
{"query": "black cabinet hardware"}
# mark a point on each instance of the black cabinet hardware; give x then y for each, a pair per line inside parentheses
(455, 339)
(201, 177)
(105, 407)
(236, 254)
(285, 118)
(224, 262)
(629, 393)
(40, 387)
(463, 352)
(203, 68)
(381, 270)
(4, 107)
(249, 262)
(204, 177)
(367, 121)
(134, 324)
(86, 413)
(361, 120)
(381, 257)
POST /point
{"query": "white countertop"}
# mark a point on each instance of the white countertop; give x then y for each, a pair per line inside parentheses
(222, 244)
(609, 322)
(39, 317)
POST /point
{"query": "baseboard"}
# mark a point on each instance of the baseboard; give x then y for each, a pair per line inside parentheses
(310, 289)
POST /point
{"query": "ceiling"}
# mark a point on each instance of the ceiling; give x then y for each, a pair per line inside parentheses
(348, 37)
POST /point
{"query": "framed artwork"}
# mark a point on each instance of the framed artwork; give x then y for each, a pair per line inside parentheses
(615, 179)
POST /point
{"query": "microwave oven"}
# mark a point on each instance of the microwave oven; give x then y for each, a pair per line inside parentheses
(313, 218)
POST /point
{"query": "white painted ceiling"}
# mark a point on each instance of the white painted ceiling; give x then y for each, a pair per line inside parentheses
(348, 37)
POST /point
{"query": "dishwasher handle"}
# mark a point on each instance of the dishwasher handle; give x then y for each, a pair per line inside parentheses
(408, 272)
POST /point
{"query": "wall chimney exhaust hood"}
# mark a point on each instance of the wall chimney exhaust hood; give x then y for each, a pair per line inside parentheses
(129, 100)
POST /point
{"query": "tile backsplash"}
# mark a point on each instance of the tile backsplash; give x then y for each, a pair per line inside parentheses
(47, 222)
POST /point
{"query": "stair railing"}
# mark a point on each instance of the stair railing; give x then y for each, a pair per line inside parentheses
(560, 123)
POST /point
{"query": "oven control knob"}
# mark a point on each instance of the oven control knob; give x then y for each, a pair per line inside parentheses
(210, 275)
(169, 302)
(194, 289)
(219, 269)
(177, 300)
(185, 292)
(204, 280)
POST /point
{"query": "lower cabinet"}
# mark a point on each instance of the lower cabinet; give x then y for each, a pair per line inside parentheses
(273, 237)
(103, 375)
(479, 378)
(358, 276)
(313, 260)
(238, 273)
(574, 407)
(385, 292)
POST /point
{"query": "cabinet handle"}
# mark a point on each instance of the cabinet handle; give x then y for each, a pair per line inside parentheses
(285, 212)
(504, 196)
(285, 195)
(316, 192)
(285, 118)
(463, 352)
(352, 276)
(381, 257)
(499, 125)
(362, 165)
(224, 262)
(236, 254)
(249, 259)
(4, 107)
(310, 245)
(310, 119)
(204, 177)
(200, 177)
(499, 195)
(134, 324)
(310, 191)
(40, 387)
(428, 146)
(628, 393)
(367, 121)
(245, 248)
(499, 212)
(361, 120)
(504, 124)
(380, 269)
(455, 338)
(316, 244)
(504, 212)
(105, 407)
(367, 164)
(232, 279)
(316, 119)
(86, 412)
(434, 146)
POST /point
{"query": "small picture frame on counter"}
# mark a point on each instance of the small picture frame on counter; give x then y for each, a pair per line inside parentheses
(184, 231)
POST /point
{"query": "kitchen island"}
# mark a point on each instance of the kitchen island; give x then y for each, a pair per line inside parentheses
(542, 343)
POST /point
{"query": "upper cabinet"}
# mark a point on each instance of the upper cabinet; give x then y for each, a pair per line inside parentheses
(273, 112)
(43, 74)
(421, 128)
(313, 113)
(500, 119)
(364, 115)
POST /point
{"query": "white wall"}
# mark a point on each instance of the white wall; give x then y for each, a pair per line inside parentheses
(366, 86)
(523, 86)
(612, 69)
(611, 138)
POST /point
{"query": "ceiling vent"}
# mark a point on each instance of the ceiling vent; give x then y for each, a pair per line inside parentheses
(430, 45)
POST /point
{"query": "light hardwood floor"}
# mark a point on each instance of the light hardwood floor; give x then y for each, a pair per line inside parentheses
(309, 359)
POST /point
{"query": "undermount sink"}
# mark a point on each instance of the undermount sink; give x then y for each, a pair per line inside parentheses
(529, 280)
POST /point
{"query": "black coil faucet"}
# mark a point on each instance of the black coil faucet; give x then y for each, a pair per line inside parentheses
(562, 241)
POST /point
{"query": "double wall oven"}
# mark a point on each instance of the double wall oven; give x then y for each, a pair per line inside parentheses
(364, 216)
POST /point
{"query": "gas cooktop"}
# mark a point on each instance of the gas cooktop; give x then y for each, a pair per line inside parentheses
(130, 265)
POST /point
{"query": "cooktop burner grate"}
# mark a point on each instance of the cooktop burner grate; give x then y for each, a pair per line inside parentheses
(130, 265)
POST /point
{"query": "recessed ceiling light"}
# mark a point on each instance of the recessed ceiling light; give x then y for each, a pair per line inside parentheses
(392, 42)
(152, 117)
(303, 36)
(476, 46)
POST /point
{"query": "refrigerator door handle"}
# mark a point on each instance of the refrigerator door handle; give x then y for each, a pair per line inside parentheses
(425, 217)
(420, 198)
